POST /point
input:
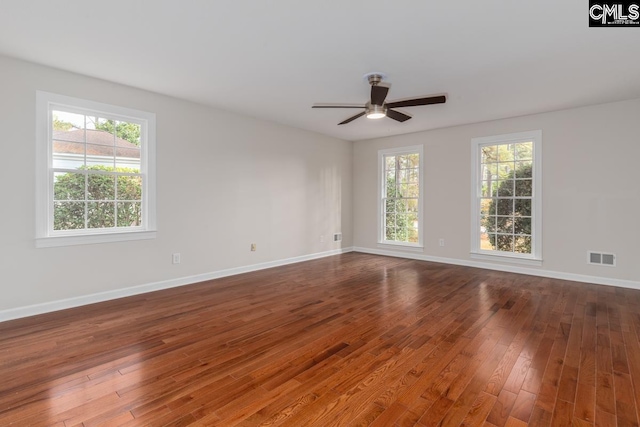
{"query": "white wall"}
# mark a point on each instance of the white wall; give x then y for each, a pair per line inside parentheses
(224, 182)
(591, 188)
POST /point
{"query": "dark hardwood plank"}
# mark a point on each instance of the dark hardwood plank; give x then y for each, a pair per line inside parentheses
(353, 339)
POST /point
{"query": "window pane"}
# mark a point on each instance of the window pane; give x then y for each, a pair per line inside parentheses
(67, 155)
(522, 244)
(488, 241)
(128, 160)
(412, 219)
(504, 224)
(65, 125)
(485, 206)
(504, 243)
(505, 188)
(488, 223)
(524, 169)
(390, 233)
(401, 205)
(489, 189)
(489, 171)
(485, 243)
(69, 186)
(102, 130)
(391, 175)
(505, 153)
(404, 161)
(389, 205)
(524, 151)
(414, 175)
(100, 214)
(523, 207)
(390, 219)
(522, 225)
(506, 170)
(404, 176)
(392, 188)
(412, 190)
(505, 207)
(412, 205)
(489, 154)
(390, 162)
(524, 188)
(130, 187)
(101, 187)
(129, 214)
(100, 155)
(68, 215)
(129, 132)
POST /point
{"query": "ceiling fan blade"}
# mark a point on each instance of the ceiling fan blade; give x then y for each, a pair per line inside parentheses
(397, 115)
(352, 118)
(378, 94)
(441, 99)
(337, 106)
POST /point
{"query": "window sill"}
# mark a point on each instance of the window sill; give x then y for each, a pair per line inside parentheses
(400, 246)
(537, 262)
(89, 239)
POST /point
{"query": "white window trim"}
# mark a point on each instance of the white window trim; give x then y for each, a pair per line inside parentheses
(45, 237)
(381, 187)
(535, 258)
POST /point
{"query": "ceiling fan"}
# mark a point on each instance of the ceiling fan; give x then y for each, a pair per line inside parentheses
(376, 108)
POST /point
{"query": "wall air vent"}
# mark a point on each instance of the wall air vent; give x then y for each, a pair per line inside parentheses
(600, 258)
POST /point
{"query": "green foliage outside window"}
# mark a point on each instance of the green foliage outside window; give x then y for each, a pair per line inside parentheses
(127, 131)
(101, 195)
(401, 198)
(396, 214)
(511, 216)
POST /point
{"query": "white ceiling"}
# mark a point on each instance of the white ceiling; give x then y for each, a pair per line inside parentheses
(273, 59)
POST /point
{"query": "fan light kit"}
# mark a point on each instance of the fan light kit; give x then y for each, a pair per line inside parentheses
(376, 112)
(376, 108)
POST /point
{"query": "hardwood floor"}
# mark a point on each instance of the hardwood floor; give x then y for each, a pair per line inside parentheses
(352, 340)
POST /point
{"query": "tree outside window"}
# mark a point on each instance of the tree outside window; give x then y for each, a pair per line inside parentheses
(401, 197)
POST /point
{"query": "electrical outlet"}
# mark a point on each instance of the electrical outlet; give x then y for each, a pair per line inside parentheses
(441, 242)
(175, 258)
(337, 237)
(321, 238)
(253, 247)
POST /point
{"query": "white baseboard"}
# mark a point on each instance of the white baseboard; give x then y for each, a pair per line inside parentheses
(509, 268)
(47, 307)
(32, 310)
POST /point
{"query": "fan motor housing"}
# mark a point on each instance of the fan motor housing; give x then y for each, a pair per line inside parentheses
(374, 78)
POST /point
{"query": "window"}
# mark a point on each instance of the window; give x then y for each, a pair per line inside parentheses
(95, 172)
(506, 202)
(400, 206)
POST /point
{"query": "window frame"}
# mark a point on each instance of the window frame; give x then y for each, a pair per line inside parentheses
(46, 236)
(535, 257)
(419, 149)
